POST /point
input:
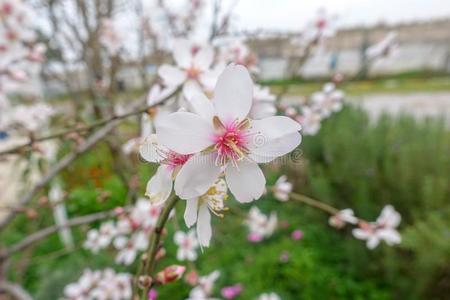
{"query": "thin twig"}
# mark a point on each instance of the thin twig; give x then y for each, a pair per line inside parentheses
(43, 233)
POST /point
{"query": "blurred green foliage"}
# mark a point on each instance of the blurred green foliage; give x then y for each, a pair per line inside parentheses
(350, 163)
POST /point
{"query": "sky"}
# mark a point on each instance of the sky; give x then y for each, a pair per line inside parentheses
(294, 14)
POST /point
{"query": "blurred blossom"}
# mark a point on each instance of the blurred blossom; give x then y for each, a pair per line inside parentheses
(383, 229)
(340, 219)
(310, 119)
(269, 296)
(328, 101)
(187, 245)
(104, 284)
(152, 294)
(297, 234)
(260, 225)
(231, 292)
(284, 257)
(205, 286)
(282, 189)
(384, 48)
(263, 103)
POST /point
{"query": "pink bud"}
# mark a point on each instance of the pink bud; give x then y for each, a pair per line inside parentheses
(171, 273)
(297, 235)
(152, 294)
(254, 238)
(231, 292)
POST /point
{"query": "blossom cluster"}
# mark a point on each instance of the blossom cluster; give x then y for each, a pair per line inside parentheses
(102, 285)
(128, 235)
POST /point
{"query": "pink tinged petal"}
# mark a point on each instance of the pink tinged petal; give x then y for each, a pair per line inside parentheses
(172, 76)
(360, 234)
(179, 237)
(275, 127)
(271, 149)
(202, 106)
(190, 214)
(390, 236)
(233, 94)
(184, 132)
(204, 231)
(196, 176)
(159, 186)
(246, 182)
(182, 53)
(204, 58)
(208, 79)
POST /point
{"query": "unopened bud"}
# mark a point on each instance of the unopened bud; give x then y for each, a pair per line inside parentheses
(31, 213)
(170, 274)
(160, 254)
(145, 281)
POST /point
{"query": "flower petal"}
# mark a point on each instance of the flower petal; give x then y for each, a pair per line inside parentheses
(201, 105)
(184, 132)
(172, 76)
(190, 214)
(246, 182)
(159, 186)
(196, 176)
(149, 149)
(204, 58)
(204, 231)
(271, 149)
(182, 53)
(233, 93)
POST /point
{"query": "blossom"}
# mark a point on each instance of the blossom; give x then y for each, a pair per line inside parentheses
(105, 284)
(205, 287)
(239, 53)
(260, 225)
(100, 239)
(222, 139)
(282, 188)
(263, 103)
(329, 100)
(231, 292)
(383, 229)
(297, 235)
(129, 247)
(344, 216)
(193, 69)
(198, 210)
(187, 245)
(269, 296)
(310, 119)
(159, 187)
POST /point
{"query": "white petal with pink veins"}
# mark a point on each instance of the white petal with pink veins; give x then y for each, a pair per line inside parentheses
(233, 94)
(172, 76)
(204, 231)
(246, 182)
(184, 132)
(196, 176)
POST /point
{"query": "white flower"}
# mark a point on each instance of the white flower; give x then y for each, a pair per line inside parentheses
(193, 68)
(282, 188)
(159, 187)
(100, 285)
(329, 100)
(263, 103)
(239, 53)
(223, 139)
(344, 216)
(96, 241)
(260, 225)
(269, 296)
(383, 229)
(129, 248)
(187, 245)
(198, 210)
(205, 287)
(144, 214)
(310, 119)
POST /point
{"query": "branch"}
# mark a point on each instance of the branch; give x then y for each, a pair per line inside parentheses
(148, 264)
(41, 234)
(14, 290)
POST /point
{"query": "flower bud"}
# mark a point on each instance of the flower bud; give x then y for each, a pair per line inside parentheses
(169, 274)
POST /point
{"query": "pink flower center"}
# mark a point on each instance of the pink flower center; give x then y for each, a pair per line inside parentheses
(174, 159)
(193, 73)
(231, 140)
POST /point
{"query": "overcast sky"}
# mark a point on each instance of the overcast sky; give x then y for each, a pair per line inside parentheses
(294, 14)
